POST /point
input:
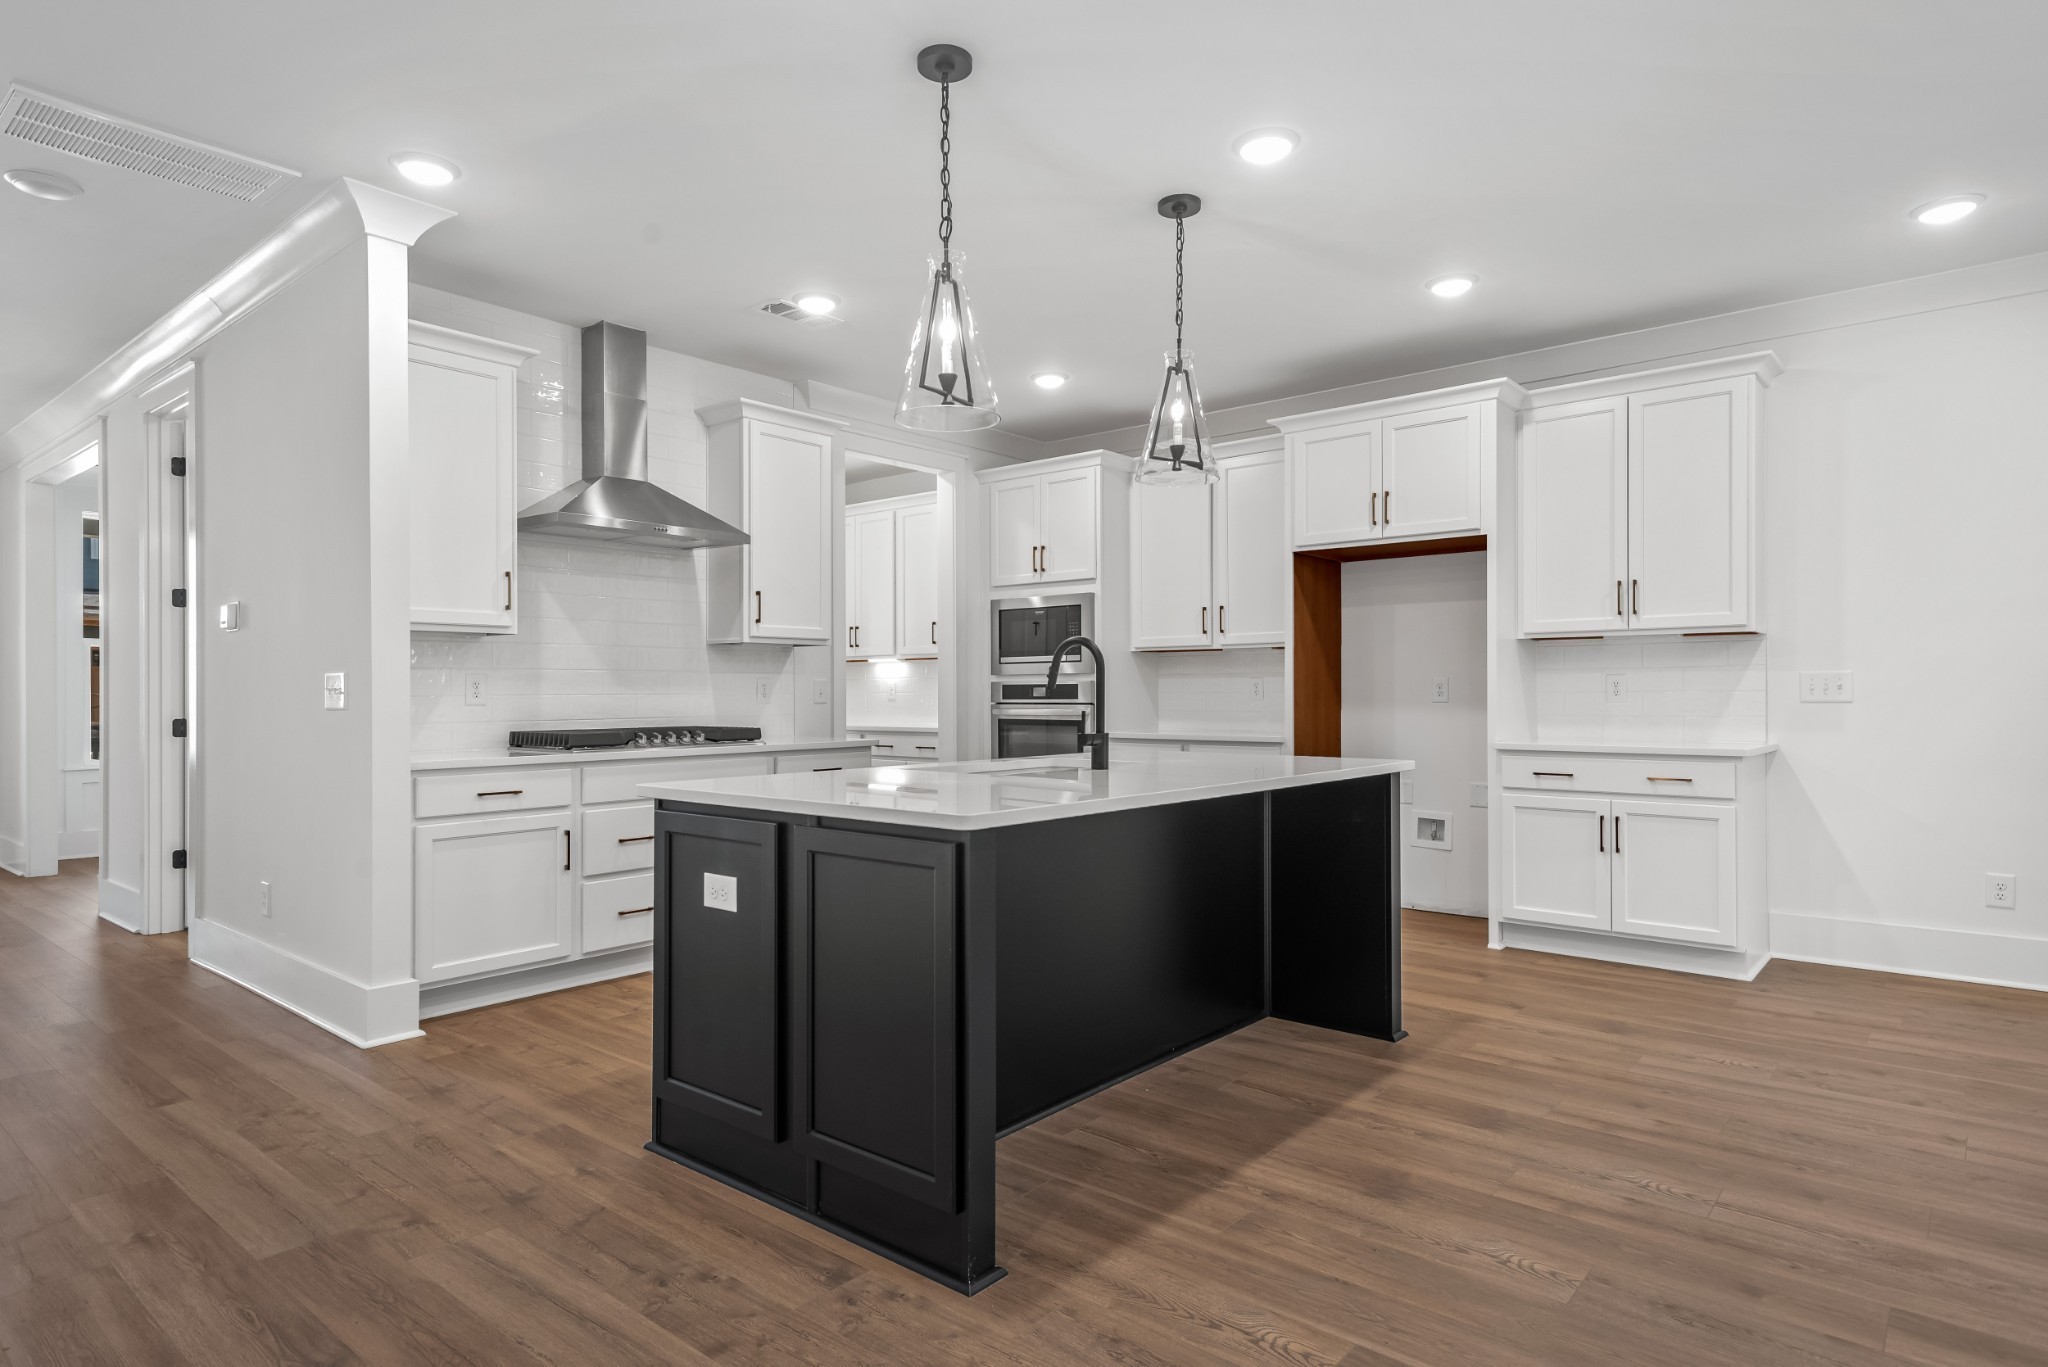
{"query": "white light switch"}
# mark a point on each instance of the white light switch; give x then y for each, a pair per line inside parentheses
(818, 694)
(1827, 686)
(263, 898)
(335, 694)
(230, 616)
(721, 892)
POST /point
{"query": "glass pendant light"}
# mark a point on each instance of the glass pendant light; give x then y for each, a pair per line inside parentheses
(946, 386)
(1177, 439)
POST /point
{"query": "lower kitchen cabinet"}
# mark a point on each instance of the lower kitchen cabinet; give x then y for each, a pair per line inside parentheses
(1559, 871)
(491, 893)
(618, 912)
(1674, 870)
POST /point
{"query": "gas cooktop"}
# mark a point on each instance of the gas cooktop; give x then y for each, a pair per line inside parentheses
(630, 737)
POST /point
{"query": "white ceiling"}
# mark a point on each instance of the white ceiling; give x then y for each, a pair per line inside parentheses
(1601, 164)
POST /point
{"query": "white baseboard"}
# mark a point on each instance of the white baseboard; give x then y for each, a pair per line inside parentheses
(1414, 905)
(1620, 949)
(364, 1015)
(78, 845)
(445, 999)
(121, 904)
(1920, 951)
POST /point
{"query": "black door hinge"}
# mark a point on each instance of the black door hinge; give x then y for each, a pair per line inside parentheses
(177, 465)
(177, 728)
(177, 859)
(177, 598)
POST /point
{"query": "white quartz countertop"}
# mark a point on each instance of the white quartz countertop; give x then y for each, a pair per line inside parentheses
(977, 794)
(499, 759)
(1608, 747)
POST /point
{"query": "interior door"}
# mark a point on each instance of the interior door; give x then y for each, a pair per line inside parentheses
(1013, 523)
(1573, 481)
(1254, 592)
(871, 584)
(1068, 542)
(917, 580)
(490, 893)
(1171, 605)
(1337, 484)
(1675, 871)
(1688, 459)
(1429, 472)
(1558, 863)
(789, 511)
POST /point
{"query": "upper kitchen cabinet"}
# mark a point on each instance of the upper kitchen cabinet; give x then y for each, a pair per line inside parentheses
(1209, 562)
(892, 578)
(1404, 469)
(770, 475)
(1044, 527)
(1637, 502)
(464, 480)
(917, 578)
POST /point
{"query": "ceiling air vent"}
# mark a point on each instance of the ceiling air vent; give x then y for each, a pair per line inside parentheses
(787, 309)
(50, 122)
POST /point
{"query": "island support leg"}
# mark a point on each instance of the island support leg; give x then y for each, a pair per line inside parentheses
(1333, 870)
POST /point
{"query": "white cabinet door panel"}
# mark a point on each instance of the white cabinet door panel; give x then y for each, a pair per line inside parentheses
(789, 510)
(618, 912)
(1689, 506)
(1429, 472)
(917, 580)
(1014, 520)
(1253, 570)
(1170, 554)
(1675, 870)
(871, 584)
(490, 894)
(1574, 496)
(618, 838)
(463, 475)
(1558, 869)
(1336, 484)
(1068, 540)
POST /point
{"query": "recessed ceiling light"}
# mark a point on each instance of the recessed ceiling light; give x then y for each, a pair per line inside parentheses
(1451, 286)
(817, 305)
(421, 169)
(1950, 210)
(1265, 146)
(1048, 379)
(44, 184)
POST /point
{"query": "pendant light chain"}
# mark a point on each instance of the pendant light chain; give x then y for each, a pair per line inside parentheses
(946, 178)
(1180, 243)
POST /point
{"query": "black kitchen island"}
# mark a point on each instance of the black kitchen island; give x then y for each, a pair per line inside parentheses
(864, 978)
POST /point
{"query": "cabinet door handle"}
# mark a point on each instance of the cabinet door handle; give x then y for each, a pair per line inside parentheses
(503, 792)
(1387, 508)
(1547, 773)
(1635, 607)
(1219, 619)
(634, 839)
(636, 911)
(849, 638)
(1603, 833)
(508, 590)
(935, 633)
(1617, 600)
(1655, 779)
(1205, 621)
(1375, 507)
(565, 849)
(1617, 832)
(757, 607)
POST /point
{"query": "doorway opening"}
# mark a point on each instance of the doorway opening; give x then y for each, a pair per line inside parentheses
(898, 601)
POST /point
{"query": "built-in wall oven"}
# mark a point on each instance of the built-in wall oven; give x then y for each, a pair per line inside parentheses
(1025, 630)
(1040, 718)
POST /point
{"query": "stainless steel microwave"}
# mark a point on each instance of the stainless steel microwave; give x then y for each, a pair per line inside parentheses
(1025, 630)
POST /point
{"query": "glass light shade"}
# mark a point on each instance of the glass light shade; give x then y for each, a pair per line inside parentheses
(1177, 439)
(946, 387)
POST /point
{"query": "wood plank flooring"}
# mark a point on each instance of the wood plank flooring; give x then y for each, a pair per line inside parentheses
(1567, 1162)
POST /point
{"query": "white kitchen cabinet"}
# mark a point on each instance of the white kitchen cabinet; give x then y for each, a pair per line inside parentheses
(1559, 870)
(1406, 469)
(463, 480)
(1044, 526)
(1637, 506)
(1674, 870)
(491, 893)
(1209, 562)
(870, 584)
(917, 579)
(771, 475)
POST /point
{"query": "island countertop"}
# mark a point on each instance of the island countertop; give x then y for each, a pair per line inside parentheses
(979, 794)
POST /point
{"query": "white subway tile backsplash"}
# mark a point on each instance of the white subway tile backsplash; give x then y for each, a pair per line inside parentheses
(1692, 691)
(892, 693)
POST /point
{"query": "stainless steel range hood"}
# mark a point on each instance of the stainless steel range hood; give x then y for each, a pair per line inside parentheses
(614, 501)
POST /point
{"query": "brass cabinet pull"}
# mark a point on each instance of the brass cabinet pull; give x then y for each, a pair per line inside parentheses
(1635, 608)
(1219, 619)
(1547, 773)
(1617, 832)
(1603, 833)
(1655, 779)
(634, 839)
(1205, 621)
(636, 911)
(1375, 507)
(1617, 600)
(508, 590)
(565, 849)
(503, 792)
(757, 607)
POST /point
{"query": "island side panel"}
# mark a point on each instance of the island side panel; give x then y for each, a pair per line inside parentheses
(1335, 871)
(1123, 938)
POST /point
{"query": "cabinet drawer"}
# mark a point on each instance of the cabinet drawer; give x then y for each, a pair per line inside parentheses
(618, 838)
(1647, 774)
(492, 790)
(834, 759)
(619, 912)
(620, 781)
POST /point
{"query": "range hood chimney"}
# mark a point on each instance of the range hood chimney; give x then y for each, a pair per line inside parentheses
(614, 501)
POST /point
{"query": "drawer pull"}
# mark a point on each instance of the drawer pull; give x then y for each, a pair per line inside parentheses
(927, 747)
(503, 792)
(1655, 779)
(636, 911)
(1548, 773)
(829, 769)
(633, 839)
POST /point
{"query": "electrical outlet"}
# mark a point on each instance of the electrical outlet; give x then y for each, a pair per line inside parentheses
(333, 690)
(721, 892)
(819, 694)
(1439, 690)
(1479, 794)
(764, 688)
(1258, 690)
(1827, 686)
(263, 898)
(1407, 788)
(473, 690)
(2001, 890)
(1617, 686)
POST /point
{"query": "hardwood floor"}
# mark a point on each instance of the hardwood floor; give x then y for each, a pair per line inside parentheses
(1567, 1162)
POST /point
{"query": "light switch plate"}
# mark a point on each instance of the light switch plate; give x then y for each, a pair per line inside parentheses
(1479, 794)
(263, 898)
(333, 690)
(819, 695)
(1407, 787)
(1827, 685)
(721, 892)
(230, 616)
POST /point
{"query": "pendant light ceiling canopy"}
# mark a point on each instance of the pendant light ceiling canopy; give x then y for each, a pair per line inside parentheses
(946, 386)
(1177, 439)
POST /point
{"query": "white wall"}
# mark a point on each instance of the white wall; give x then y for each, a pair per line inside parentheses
(1407, 623)
(890, 486)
